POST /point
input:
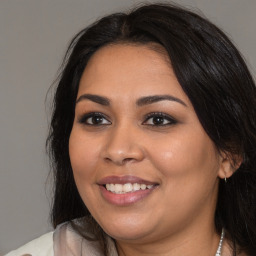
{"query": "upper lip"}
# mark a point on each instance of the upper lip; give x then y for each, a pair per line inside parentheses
(124, 179)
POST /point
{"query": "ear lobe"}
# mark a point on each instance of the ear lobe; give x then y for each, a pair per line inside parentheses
(228, 165)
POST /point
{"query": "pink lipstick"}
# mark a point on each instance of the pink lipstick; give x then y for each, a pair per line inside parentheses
(125, 190)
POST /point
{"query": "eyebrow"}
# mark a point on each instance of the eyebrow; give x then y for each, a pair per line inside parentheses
(95, 98)
(140, 102)
(156, 98)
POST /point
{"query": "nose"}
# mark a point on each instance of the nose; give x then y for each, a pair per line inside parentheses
(123, 145)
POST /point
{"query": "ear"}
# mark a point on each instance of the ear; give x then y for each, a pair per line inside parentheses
(228, 164)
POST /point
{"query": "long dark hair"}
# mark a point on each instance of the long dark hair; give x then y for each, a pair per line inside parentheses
(215, 78)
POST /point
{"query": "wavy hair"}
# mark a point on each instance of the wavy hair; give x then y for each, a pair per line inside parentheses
(214, 76)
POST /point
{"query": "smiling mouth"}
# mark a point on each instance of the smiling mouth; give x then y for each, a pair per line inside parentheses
(126, 188)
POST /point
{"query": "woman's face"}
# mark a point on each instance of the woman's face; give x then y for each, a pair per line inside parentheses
(142, 163)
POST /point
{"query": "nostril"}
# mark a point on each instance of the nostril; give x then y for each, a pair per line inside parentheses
(119, 161)
(128, 159)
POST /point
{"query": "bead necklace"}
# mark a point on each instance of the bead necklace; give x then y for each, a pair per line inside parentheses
(218, 253)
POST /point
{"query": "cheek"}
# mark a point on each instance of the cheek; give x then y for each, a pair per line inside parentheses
(191, 154)
(188, 166)
(83, 156)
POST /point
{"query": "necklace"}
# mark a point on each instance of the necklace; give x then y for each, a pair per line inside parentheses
(218, 253)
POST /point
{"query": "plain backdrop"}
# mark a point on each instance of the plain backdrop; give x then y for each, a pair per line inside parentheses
(34, 35)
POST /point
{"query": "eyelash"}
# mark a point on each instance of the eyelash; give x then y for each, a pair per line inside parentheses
(164, 117)
(170, 120)
(84, 118)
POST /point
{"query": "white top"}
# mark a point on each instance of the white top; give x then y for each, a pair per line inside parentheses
(42, 246)
(64, 241)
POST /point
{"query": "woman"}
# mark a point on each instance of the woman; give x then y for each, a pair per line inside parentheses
(153, 141)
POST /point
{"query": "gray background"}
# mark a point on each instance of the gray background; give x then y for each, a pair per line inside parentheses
(33, 37)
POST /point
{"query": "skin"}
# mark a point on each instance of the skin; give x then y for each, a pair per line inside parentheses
(177, 217)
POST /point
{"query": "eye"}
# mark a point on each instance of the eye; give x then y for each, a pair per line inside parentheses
(159, 119)
(95, 119)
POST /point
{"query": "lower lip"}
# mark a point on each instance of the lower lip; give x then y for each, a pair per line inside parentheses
(126, 198)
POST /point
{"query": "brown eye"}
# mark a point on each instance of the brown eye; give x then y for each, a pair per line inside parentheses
(159, 119)
(94, 119)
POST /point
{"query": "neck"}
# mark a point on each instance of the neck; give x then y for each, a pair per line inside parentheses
(186, 243)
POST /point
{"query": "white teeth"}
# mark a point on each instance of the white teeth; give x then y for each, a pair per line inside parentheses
(143, 186)
(126, 188)
(118, 188)
(112, 187)
(136, 186)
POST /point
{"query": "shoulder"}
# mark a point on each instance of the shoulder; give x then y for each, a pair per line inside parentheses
(42, 246)
(68, 240)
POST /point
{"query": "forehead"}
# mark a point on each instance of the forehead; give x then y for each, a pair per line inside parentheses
(128, 69)
(130, 54)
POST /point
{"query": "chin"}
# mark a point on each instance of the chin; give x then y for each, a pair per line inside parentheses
(127, 229)
(128, 235)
